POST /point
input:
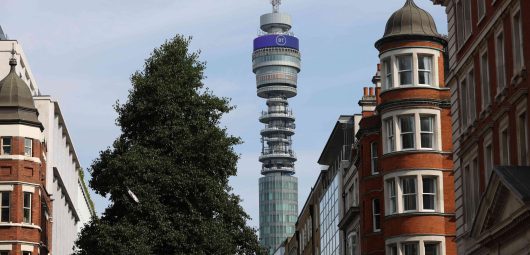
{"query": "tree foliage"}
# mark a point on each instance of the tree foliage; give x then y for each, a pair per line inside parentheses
(177, 160)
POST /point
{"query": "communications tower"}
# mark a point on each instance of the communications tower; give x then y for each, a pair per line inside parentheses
(276, 63)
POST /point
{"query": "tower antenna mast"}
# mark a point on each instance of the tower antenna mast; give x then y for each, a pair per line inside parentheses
(276, 5)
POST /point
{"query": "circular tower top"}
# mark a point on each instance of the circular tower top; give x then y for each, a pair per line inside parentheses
(410, 22)
(275, 22)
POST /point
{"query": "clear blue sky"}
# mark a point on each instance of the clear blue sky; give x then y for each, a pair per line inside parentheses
(83, 53)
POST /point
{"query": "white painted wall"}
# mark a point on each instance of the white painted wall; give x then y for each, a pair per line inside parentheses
(22, 67)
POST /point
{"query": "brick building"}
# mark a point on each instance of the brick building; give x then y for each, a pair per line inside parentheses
(26, 208)
(489, 52)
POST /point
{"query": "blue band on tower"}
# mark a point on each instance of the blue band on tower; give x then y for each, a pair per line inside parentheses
(274, 40)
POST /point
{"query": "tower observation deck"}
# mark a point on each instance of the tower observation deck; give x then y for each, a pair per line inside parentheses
(276, 63)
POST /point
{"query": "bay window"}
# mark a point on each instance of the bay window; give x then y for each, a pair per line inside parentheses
(417, 129)
(414, 191)
(407, 131)
(425, 69)
(404, 69)
(408, 184)
(416, 245)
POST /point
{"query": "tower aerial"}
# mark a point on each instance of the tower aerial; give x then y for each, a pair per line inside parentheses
(276, 63)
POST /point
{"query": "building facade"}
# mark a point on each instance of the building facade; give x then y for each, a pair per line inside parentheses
(71, 203)
(488, 58)
(276, 63)
(26, 207)
(405, 171)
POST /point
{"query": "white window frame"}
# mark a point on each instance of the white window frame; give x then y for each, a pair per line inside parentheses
(393, 55)
(434, 195)
(427, 132)
(28, 150)
(430, 71)
(421, 240)
(411, 70)
(501, 84)
(10, 145)
(485, 79)
(373, 158)
(418, 175)
(25, 208)
(517, 10)
(389, 129)
(394, 115)
(414, 194)
(388, 73)
(391, 190)
(411, 132)
(2, 206)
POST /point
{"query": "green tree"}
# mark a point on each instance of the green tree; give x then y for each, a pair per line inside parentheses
(177, 160)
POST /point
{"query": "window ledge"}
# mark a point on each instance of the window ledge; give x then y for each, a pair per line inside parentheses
(413, 87)
(418, 213)
(24, 225)
(20, 157)
(519, 76)
(389, 154)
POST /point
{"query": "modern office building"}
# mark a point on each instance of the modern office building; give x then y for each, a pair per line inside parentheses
(489, 53)
(276, 63)
(71, 203)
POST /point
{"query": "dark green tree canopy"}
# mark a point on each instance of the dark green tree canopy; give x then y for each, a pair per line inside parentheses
(177, 160)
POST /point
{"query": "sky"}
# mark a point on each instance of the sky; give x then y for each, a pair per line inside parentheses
(83, 53)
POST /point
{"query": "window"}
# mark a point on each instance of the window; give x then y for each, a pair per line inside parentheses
(429, 193)
(387, 65)
(427, 132)
(425, 69)
(410, 249)
(463, 8)
(28, 147)
(463, 102)
(484, 79)
(26, 253)
(4, 211)
(431, 249)
(27, 207)
(391, 185)
(390, 135)
(488, 161)
(392, 249)
(4, 252)
(409, 193)
(373, 152)
(522, 129)
(376, 213)
(405, 69)
(471, 189)
(481, 7)
(517, 41)
(407, 131)
(505, 147)
(352, 244)
(501, 72)
(6, 145)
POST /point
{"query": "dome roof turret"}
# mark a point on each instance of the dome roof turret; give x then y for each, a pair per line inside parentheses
(410, 21)
(16, 101)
